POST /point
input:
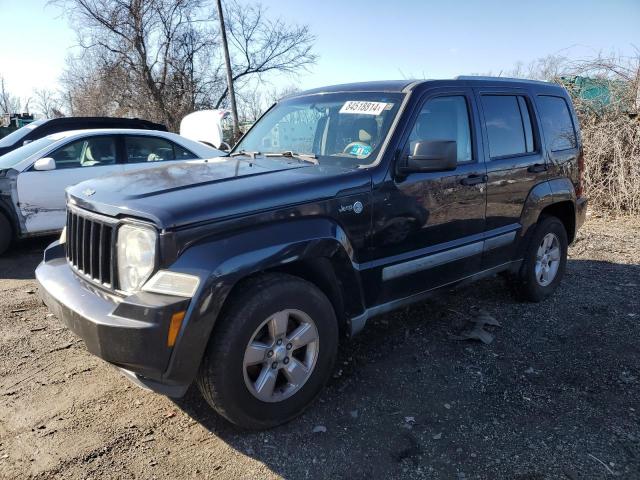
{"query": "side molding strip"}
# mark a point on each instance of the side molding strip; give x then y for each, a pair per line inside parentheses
(499, 241)
(437, 259)
(424, 263)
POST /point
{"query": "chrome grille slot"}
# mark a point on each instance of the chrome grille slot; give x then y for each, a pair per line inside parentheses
(90, 245)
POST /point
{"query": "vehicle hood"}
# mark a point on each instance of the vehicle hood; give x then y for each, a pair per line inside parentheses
(207, 190)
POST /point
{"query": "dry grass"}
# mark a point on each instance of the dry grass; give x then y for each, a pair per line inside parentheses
(612, 162)
(610, 131)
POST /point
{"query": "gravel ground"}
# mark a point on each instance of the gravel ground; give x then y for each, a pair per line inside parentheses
(556, 395)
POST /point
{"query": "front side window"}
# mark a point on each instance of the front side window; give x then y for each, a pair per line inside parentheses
(344, 128)
(556, 123)
(86, 152)
(153, 149)
(508, 124)
(444, 119)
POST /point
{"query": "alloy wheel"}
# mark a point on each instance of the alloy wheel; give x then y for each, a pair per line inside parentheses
(547, 259)
(281, 355)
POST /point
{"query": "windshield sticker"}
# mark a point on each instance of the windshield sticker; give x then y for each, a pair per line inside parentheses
(364, 108)
(360, 150)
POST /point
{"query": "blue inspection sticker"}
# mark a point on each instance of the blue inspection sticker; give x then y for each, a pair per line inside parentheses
(360, 150)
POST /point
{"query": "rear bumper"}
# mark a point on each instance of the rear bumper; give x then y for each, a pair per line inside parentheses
(130, 333)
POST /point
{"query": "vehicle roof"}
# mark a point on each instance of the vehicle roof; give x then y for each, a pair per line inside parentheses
(399, 86)
(377, 86)
(109, 131)
(98, 119)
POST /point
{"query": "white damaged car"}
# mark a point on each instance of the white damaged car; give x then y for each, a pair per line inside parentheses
(33, 178)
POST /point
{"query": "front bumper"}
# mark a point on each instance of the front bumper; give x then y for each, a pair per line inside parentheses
(130, 332)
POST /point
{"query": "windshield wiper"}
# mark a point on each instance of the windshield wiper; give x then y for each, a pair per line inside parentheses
(305, 157)
(248, 154)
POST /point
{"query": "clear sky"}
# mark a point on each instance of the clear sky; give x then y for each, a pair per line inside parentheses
(368, 40)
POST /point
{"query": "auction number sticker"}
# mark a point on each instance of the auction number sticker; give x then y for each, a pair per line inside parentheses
(364, 108)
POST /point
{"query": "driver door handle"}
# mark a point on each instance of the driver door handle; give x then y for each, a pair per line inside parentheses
(474, 180)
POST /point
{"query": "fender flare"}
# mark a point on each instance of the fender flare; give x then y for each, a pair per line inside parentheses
(541, 196)
(222, 262)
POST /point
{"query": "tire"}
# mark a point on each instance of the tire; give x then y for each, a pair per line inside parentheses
(229, 383)
(531, 283)
(6, 234)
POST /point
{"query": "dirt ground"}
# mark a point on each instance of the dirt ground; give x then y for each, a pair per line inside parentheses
(556, 395)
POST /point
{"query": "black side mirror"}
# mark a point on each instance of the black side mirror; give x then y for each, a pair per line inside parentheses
(432, 156)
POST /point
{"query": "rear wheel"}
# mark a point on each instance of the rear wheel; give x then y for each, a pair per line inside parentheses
(271, 352)
(545, 260)
(6, 233)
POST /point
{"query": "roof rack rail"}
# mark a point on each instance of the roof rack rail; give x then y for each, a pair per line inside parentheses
(499, 79)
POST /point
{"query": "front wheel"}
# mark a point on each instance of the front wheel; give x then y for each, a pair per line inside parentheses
(271, 352)
(545, 260)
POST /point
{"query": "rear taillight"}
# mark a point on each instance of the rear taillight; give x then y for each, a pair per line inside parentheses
(579, 188)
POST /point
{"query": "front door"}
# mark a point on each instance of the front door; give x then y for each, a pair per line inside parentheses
(428, 226)
(41, 196)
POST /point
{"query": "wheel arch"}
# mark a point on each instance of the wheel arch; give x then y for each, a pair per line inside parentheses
(565, 212)
(316, 250)
(555, 197)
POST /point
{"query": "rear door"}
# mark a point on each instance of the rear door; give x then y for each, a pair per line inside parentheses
(515, 164)
(148, 151)
(41, 197)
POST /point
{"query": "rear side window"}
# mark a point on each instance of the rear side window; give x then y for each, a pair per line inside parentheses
(154, 149)
(182, 153)
(508, 125)
(557, 123)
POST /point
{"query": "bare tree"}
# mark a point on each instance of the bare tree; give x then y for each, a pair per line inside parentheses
(260, 45)
(160, 50)
(277, 94)
(9, 103)
(257, 97)
(161, 59)
(251, 104)
(47, 103)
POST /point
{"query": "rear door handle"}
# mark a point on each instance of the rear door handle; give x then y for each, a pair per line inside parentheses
(474, 180)
(537, 168)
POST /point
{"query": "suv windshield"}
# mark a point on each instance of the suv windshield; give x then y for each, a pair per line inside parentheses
(346, 129)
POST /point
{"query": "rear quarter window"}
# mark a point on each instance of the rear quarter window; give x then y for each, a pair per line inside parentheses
(557, 123)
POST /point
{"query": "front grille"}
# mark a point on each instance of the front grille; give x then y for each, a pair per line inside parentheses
(89, 246)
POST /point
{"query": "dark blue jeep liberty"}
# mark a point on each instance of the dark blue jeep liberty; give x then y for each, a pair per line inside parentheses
(341, 203)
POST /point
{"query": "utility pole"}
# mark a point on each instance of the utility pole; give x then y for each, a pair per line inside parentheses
(227, 61)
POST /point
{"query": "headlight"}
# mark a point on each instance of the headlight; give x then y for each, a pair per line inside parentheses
(136, 256)
(63, 235)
